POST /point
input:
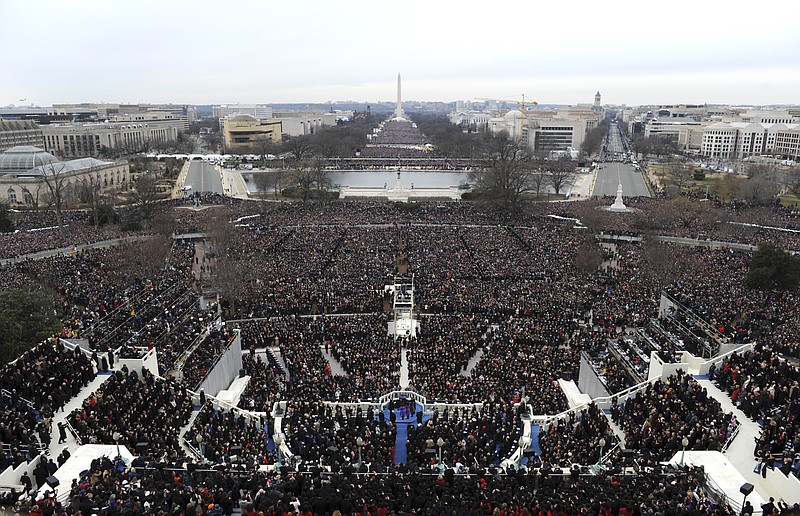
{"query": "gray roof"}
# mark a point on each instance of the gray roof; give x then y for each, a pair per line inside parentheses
(74, 165)
(24, 157)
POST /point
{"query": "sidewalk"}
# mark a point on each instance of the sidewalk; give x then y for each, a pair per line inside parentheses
(583, 186)
(62, 416)
(233, 184)
(740, 452)
(180, 181)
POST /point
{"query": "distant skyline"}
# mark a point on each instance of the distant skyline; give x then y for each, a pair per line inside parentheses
(203, 52)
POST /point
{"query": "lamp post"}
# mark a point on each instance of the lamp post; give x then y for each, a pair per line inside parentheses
(117, 436)
(278, 442)
(440, 443)
(359, 444)
(199, 439)
(684, 443)
(602, 443)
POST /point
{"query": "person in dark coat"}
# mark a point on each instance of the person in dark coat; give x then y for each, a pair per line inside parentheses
(63, 457)
(25, 480)
(40, 473)
(62, 432)
(50, 467)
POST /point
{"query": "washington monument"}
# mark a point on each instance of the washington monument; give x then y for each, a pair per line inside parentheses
(398, 110)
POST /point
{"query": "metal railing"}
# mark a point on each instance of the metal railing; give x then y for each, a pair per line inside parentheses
(733, 435)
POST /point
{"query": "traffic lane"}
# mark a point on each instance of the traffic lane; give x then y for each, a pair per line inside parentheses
(212, 178)
(612, 174)
(203, 177)
(194, 176)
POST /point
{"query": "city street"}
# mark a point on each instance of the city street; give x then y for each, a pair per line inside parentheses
(203, 177)
(615, 147)
(609, 175)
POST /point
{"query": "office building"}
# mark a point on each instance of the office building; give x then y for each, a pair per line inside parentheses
(243, 133)
(109, 138)
(19, 132)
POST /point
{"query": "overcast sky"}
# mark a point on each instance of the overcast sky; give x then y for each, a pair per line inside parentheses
(203, 52)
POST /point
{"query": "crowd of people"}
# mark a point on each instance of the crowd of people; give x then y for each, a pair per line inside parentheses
(136, 409)
(204, 356)
(310, 270)
(575, 439)
(472, 439)
(325, 435)
(108, 486)
(40, 231)
(418, 161)
(657, 419)
(508, 310)
(766, 387)
(228, 436)
(34, 387)
(267, 381)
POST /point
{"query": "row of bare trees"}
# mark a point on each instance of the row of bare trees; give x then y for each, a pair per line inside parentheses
(59, 189)
(513, 173)
(307, 177)
(760, 183)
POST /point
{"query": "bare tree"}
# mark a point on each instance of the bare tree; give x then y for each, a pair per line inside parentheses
(322, 179)
(146, 259)
(725, 188)
(793, 181)
(186, 143)
(265, 147)
(508, 174)
(560, 174)
(588, 256)
(687, 211)
(265, 181)
(89, 194)
(679, 172)
(55, 178)
(278, 178)
(36, 195)
(594, 138)
(144, 196)
(6, 224)
(538, 181)
(327, 144)
(661, 260)
(309, 176)
(763, 170)
(758, 190)
(300, 147)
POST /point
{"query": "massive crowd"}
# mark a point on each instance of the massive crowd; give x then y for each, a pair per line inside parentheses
(472, 439)
(326, 435)
(227, 436)
(575, 439)
(766, 387)
(508, 310)
(158, 489)
(140, 409)
(656, 420)
(267, 382)
(39, 231)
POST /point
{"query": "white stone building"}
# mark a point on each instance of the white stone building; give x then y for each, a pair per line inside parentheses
(23, 170)
(687, 133)
(739, 140)
(96, 139)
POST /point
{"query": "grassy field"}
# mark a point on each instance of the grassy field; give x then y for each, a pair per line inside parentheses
(721, 184)
(789, 200)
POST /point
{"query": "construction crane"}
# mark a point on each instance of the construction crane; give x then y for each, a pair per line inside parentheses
(522, 103)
